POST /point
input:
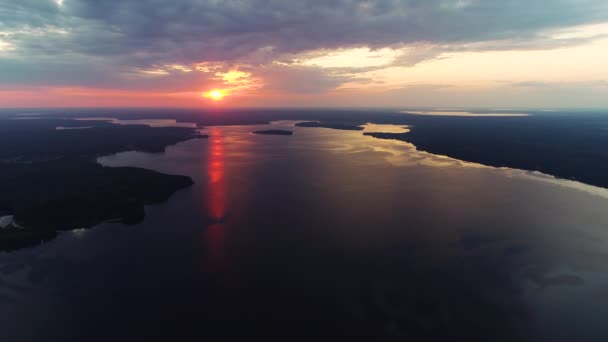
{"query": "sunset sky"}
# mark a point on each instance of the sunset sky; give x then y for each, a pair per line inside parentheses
(411, 53)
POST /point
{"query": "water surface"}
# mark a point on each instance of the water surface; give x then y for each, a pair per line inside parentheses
(324, 234)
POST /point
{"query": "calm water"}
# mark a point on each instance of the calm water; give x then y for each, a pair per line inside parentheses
(324, 234)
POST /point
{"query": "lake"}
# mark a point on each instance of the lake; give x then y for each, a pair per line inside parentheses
(325, 234)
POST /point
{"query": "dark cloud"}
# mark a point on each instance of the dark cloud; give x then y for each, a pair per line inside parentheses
(81, 40)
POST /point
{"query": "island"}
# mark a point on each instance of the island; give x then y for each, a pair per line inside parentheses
(274, 132)
(386, 135)
(50, 180)
(332, 125)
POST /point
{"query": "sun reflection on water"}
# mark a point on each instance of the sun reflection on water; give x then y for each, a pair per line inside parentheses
(215, 201)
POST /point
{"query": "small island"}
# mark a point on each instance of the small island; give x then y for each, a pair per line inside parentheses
(332, 125)
(388, 135)
(274, 132)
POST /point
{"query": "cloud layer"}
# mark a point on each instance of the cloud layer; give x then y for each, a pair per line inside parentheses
(181, 45)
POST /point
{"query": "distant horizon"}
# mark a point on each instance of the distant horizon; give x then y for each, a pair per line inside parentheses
(395, 108)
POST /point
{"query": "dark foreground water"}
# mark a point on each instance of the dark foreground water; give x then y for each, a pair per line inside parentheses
(323, 235)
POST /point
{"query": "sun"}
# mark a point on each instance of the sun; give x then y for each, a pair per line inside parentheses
(215, 94)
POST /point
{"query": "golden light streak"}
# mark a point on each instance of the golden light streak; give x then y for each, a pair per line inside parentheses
(235, 77)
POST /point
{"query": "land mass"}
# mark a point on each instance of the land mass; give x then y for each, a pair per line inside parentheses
(274, 132)
(563, 146)
(51, 180)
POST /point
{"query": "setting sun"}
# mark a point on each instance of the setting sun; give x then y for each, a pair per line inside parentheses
(215, 95)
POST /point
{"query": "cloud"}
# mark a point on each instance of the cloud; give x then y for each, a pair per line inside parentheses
(109, 43)
(299, 79)
(229, 30)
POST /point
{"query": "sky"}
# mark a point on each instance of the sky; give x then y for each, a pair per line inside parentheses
(276, 53)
